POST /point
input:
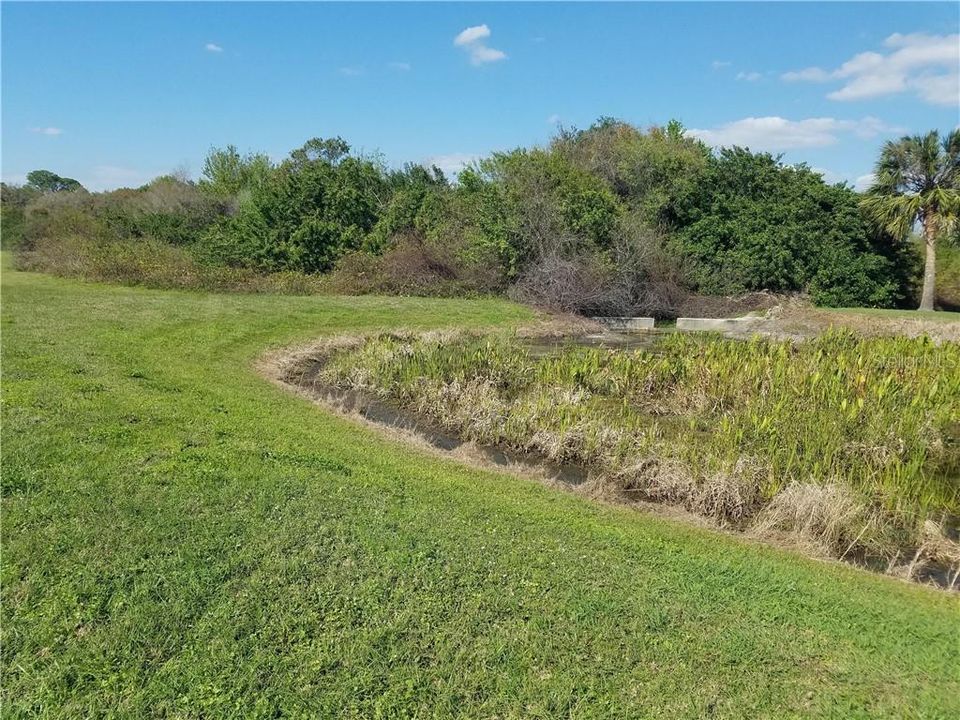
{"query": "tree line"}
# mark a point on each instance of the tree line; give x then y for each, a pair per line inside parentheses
(608, 219)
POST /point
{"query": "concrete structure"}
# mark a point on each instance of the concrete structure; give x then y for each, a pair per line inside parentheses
(740, 324)
(625, 324)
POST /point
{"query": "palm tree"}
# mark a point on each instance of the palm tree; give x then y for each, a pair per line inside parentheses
(918, 181)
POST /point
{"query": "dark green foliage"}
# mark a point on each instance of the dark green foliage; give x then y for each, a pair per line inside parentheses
(46, 181)
(653, 172)
(611, 219)
(755, 223)
(13, 203)
(317, 205)
(168, 209)
(417, 194)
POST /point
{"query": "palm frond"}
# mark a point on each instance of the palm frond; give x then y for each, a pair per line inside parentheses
(894, 213)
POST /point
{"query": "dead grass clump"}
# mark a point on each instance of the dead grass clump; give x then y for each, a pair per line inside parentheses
(934, 549)
(828, 518)
(656, 480)
(730, 498)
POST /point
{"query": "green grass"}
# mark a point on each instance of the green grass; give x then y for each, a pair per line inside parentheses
(182, 539)
(934, 315)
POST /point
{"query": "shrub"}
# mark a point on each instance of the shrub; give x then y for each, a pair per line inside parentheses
(412, 266)
(757, 224)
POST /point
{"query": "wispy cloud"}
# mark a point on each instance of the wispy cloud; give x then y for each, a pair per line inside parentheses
(471, 39)
(213, 47)
(859, 182)
(720, 64)
(352, 70)
(453, 163)
(777, 133)
(553, 120)
(926, 65)
(400, 66)
(749, 76)
(51, 131)
(864, 181)
(810, 74)
(472, 34)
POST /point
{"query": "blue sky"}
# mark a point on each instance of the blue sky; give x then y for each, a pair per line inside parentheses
(113, 94)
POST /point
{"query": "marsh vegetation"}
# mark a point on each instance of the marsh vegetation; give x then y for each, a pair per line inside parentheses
(847, 444)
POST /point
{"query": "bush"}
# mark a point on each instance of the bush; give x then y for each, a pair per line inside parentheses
(607, 220)
(168, 209)
(152, 263)
(757, 224)
(412, 266)
(316, 206)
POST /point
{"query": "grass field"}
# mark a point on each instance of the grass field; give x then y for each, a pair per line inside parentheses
(880, 313)
(183, 539)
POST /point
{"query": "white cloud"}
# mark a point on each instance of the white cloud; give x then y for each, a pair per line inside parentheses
(859, 183)
(51, 131)
(777, 133)
(870, 127)
(352, 70)
(749, 76)
(926, 65)
(863, 182)
(471, 39)
(480, 54)
(553, 120)
(938, 89)
(471, 35)
(453, 163)
(401, 66)
(212, 47)
(829, 177)
(720, 64)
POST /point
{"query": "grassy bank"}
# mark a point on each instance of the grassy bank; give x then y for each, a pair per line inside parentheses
(882, 314)
(182, 539)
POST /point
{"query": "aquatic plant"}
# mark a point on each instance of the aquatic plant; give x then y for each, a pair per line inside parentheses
(735, 430)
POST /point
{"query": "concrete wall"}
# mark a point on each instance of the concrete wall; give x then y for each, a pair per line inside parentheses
(625, 324)
(718, 324)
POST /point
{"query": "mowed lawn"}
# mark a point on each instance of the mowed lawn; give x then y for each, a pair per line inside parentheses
(183, 539)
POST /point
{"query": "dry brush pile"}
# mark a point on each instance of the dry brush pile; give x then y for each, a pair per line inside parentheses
(844, 444)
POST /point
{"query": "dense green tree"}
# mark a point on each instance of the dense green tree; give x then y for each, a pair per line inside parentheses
(754, 223)
(652, 171)
(13, 203)
(918, 181)
(47, 181)
(318, 204)
(608, 219)
(226, 172)
(530, 203)
(414, 193)
(168, 208)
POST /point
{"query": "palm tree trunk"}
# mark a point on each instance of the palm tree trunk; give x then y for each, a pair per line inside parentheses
(930, 265)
